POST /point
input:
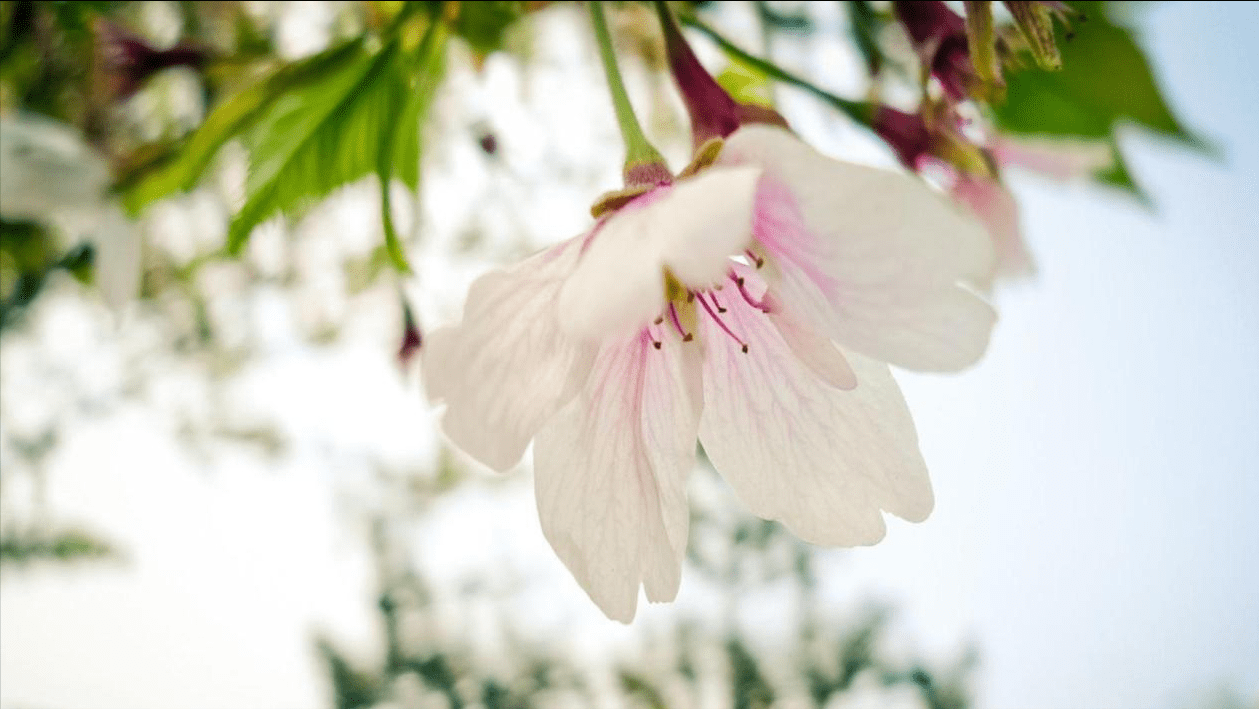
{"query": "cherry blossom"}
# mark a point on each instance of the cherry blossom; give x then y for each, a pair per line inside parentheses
(753, 307)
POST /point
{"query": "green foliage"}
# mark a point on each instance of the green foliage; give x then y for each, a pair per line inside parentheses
(228, 120)
(399, 153)
(483, 25)
(746, 83)
(751, 689)
(865, 25)
(312, 127)
(1105, 80)
(318, 137)
(358, 119)
(59, 546)
(1120, 177)
(29, 254)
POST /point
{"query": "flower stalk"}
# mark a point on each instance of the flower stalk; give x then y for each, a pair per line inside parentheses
(643, 163)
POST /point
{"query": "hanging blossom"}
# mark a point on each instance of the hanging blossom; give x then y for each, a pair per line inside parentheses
(935, 141)
(753, 304)
(965, 56)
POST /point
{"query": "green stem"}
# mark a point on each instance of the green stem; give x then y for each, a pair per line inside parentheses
(859, 111)
(638, 151)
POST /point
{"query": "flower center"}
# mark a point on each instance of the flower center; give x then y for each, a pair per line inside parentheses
(681, 308)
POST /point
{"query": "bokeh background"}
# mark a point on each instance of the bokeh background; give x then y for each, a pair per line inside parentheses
(231, 493)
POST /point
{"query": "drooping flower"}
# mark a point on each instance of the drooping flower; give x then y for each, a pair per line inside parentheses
(753, 307)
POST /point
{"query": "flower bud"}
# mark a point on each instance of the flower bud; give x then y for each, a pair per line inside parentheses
(939, 37)
(917, 140)
(713, 111)
(982, 43)
(1035, 22)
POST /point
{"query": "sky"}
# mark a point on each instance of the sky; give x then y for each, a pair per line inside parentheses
(1095, 474)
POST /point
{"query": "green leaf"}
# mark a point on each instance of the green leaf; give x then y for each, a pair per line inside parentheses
(1105, 80)
(484, 24)
(237, 114)
(318, 138)
(865, 26)
(746, 84)
(399, 153)
(422, 81)
(1120, 178)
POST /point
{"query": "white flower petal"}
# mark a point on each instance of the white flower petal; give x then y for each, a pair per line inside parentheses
(816, 352)
(993, 204)
(610, 472)
(876, 257)
(692, 228)
(507, 367)
(822, 461)
(1059, 158)
(707, 219)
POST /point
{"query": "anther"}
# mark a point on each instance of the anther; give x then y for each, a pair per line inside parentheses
(745, 349)
(758, 304)
(754, 258)
(656, 344)
(720, 323)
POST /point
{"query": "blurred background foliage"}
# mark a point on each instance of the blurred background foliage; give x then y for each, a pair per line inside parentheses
(166, 155)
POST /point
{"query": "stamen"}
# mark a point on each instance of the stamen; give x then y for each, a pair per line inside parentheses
(677, 324)
(754, 258)
(716, 303)
(651, 337)
(717, 319)
(758, 304)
